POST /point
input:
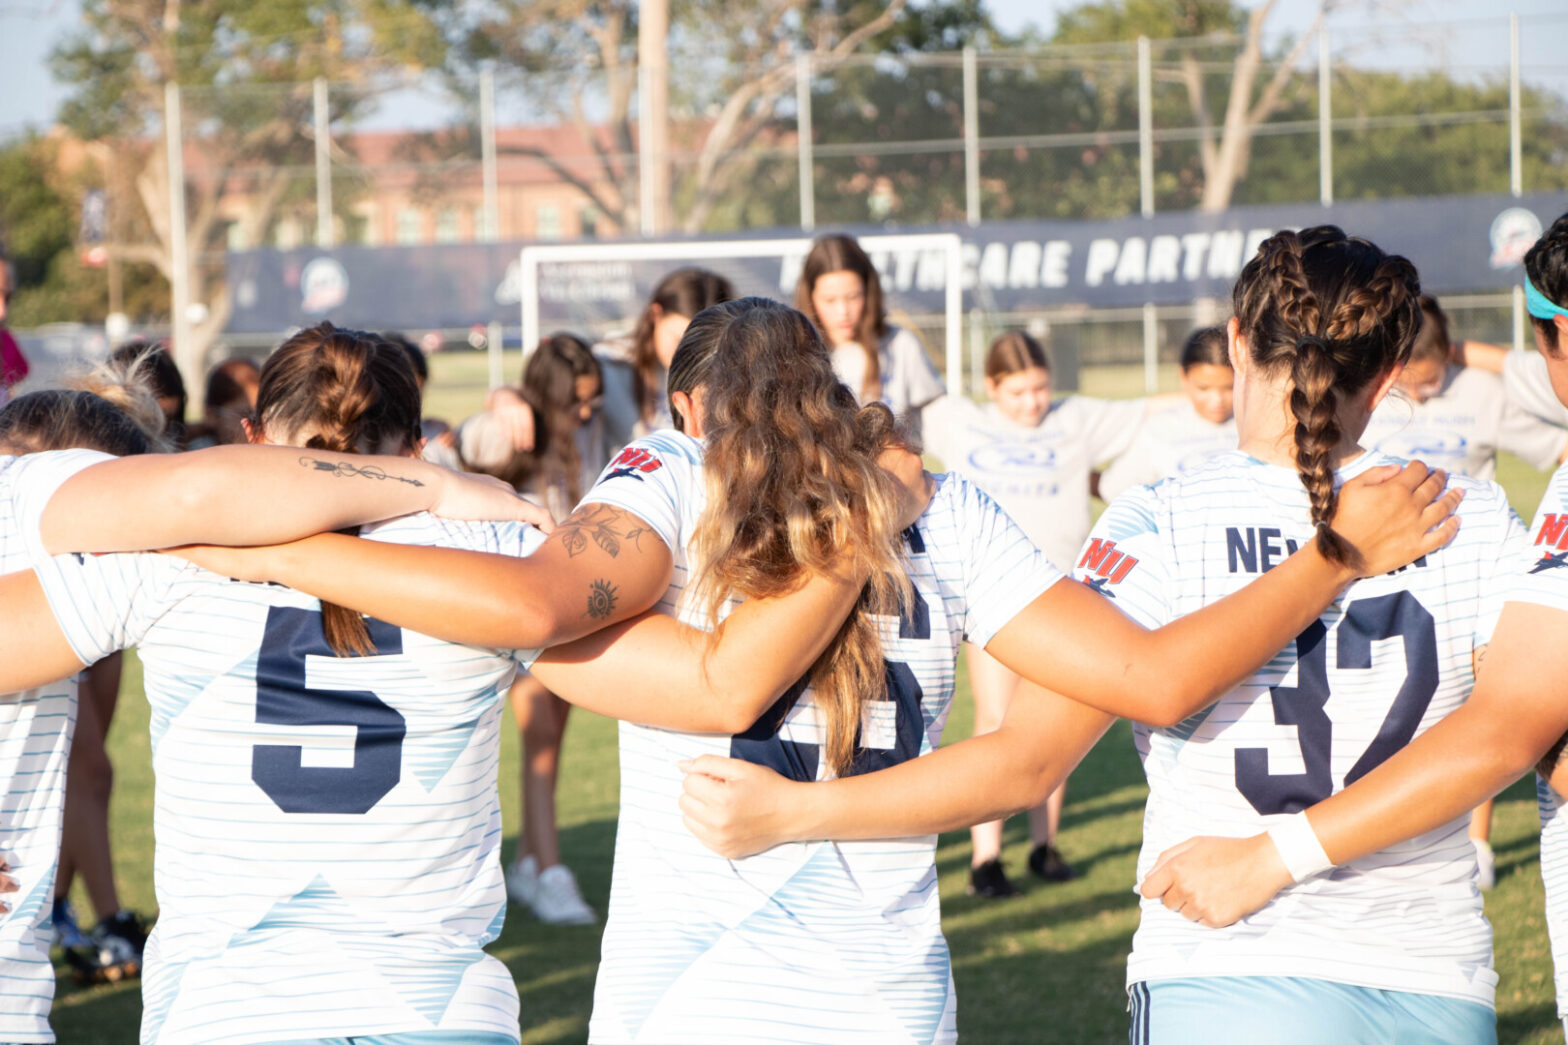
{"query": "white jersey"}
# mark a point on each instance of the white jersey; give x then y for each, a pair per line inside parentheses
(1169, 443)
(35, 742)
(1380, 666)
(327, 829)
(1039, 474)
(809, 943)
(909, 380)
(1462, 427)
(1529, 387)
(1541, 578)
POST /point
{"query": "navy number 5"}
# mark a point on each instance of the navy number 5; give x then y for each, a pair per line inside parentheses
(282, 698)
(1398, 615)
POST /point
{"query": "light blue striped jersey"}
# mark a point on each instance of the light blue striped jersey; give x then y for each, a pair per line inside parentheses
(1387, 660)
(35, 742)
(1541, 579)
(327, 828)
(811, 943)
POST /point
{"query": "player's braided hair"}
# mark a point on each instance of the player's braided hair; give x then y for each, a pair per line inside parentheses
(345, 391)
(793, 489)
(1334, 312)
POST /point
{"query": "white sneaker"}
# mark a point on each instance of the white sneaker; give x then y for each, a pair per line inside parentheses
(1485, 864)
(556, 899)
(522, 881)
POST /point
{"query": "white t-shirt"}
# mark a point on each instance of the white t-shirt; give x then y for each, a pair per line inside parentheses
(1380, 666)
(1529, 387)
(1040, 474)
(909, 380)
(1541, 578)
(1462, 427)
(1170, 442)
(327, 829)
(35, 743)
(806, 943)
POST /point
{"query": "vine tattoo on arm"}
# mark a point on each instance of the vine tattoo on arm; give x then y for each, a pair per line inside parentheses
(345, 470)
(601, 599)
(607, 527)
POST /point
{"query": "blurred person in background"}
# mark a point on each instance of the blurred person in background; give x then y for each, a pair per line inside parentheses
(155, 366)
(229, 400)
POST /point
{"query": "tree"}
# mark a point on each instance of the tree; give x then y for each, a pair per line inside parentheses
(244, 70)
(731, 86)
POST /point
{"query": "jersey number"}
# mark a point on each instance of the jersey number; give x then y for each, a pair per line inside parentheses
(283, 699)
(762, 744)
(1398, 615)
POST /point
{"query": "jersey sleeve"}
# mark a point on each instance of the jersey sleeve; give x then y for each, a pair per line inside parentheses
(1529, 388)
(1504, 543)
(105, 603)
(1002, 569)
(36, 478)
(1108, 427)
(651, 479)
(1125, 558)
(1538, 572)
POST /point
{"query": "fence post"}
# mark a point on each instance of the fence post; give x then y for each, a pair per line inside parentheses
(1515, 157)
(323, 124)
(971, 136)
(1145, 129)
(808, 189)
(1325, 122)
(1151, 349)
(179, 249)
(492, 193)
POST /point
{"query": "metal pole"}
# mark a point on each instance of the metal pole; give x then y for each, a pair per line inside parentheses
(492, 199)
(1145, 128)
(1325, 123)
(808, 188)
(971, 136)
(323, 165)
(653, 102)
(179, 253)
(953, 304)
(976, 350)
(1151, 350)
(493, 334)
(1515, 136)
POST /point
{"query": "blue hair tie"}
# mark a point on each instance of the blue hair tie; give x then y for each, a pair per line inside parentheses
(1539, 305)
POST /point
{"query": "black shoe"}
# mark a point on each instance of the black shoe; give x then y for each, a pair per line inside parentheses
(1047, 863)
(118, 942)
(990, 881)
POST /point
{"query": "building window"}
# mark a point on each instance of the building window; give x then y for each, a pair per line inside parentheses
(446, 225)
(367, 223)
(588, 221)
(480, 231)
(547, 221)
(408, 225)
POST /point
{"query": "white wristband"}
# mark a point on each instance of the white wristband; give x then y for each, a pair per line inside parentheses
(1299, 847)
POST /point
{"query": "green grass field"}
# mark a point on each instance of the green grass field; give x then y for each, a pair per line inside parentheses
(1045, 967)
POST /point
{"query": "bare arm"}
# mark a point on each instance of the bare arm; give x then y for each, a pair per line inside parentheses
(603, 565)
(33, 650)
(737, 808)
(246, 495)
(1075, 642)
(1519, 709)
(659, 672)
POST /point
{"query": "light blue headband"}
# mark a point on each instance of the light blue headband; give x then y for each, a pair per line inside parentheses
(1539, 305)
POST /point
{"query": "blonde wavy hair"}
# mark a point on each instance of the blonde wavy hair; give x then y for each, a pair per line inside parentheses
(793, 489)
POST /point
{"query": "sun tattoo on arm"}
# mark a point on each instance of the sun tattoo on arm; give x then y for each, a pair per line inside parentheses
(608, 528)
(343, 469)
(602, 598)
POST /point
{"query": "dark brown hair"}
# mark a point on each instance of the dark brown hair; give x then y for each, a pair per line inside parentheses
(1334, 312)
(1546, 264)
(550, 388)
(110, 408)
(1432, 338)
(1014, 351)
(843, 254)
(1206, 346)
(348, 392)
(793, 488)
(684, 292)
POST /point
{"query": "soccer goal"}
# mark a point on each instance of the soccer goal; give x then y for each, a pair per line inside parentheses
(595, 286)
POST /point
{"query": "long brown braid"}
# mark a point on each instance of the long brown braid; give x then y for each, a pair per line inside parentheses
(1337, 313)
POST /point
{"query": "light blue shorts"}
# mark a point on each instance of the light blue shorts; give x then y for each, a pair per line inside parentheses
(1292, 1010)
(414, 1037)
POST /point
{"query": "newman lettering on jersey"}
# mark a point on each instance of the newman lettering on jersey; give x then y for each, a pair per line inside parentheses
(1256, 549)
(1554, 531)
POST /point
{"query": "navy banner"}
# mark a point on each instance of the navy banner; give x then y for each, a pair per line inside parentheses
(1459, 244)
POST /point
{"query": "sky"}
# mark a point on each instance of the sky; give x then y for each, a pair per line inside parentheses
(1460, 34)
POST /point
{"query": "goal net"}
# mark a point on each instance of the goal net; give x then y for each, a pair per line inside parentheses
(601, 288)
